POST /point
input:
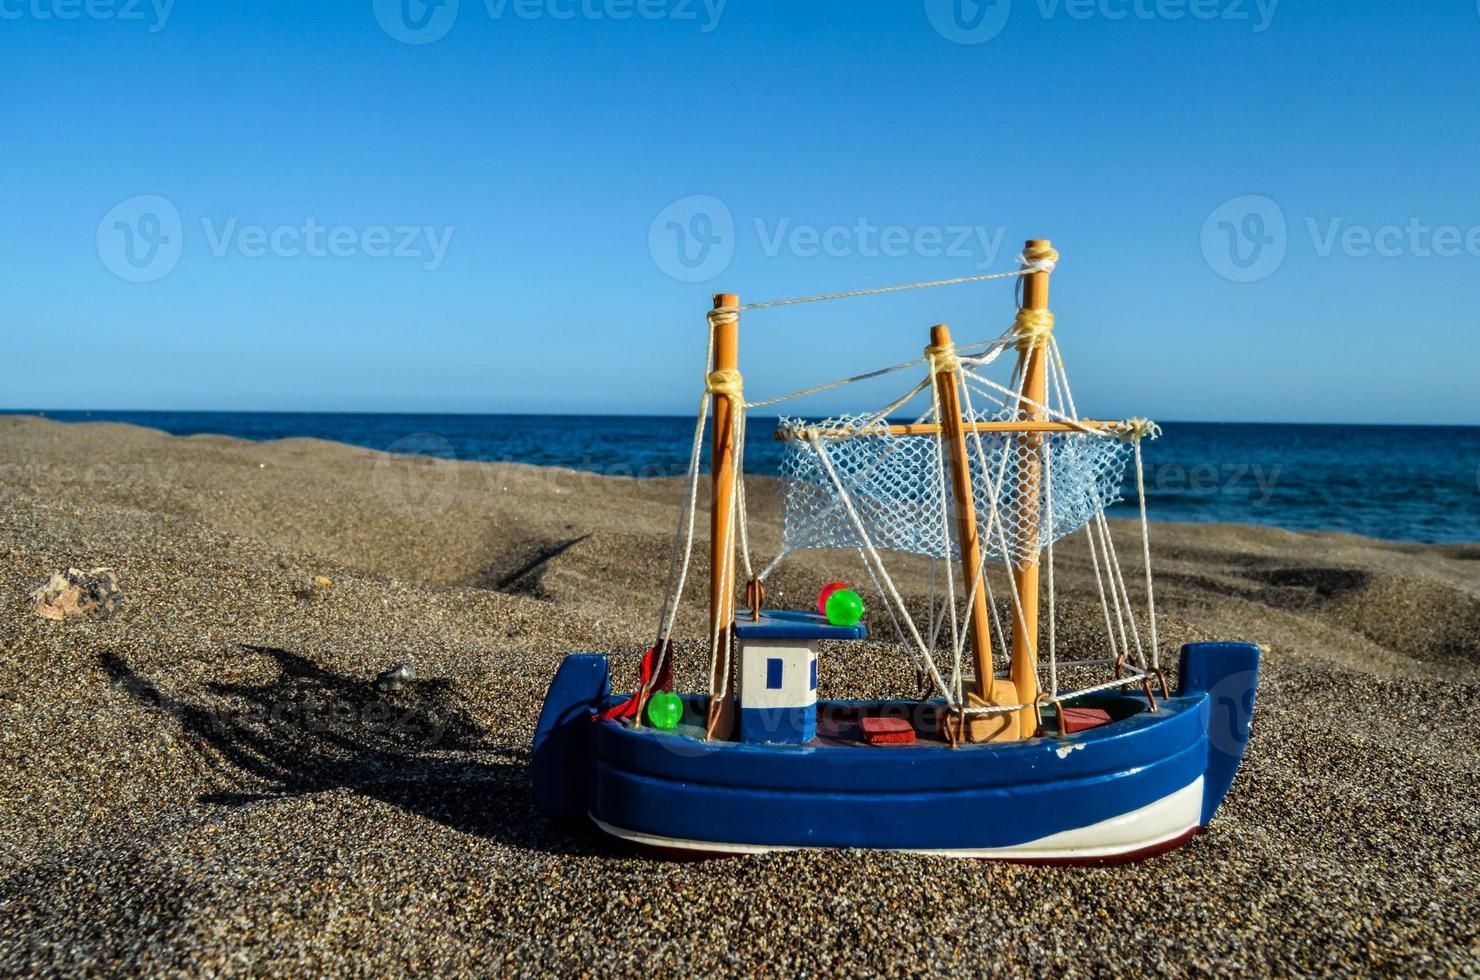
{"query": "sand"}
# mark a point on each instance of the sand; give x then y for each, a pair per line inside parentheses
(208, 781)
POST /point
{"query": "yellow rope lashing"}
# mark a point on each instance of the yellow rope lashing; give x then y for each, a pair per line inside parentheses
(1032, 328)
(943, 359)
(1134, 430)
(728, 382)
(1041, 255)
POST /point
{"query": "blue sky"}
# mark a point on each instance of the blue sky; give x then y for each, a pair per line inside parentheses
(1266, 211)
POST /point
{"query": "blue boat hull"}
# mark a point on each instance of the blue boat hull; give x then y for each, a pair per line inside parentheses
(1139, 785)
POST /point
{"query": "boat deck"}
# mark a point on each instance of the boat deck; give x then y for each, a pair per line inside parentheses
(840, 723)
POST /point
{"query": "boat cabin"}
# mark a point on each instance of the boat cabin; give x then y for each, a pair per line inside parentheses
(778, 673)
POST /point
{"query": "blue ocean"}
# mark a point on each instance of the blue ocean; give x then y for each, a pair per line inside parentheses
(1396, 482)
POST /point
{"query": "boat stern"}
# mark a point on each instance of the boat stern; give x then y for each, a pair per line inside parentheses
(560, 769)
(1228, 674)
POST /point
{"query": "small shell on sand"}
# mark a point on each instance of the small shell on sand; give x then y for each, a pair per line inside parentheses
(395, 678)
(77, 593)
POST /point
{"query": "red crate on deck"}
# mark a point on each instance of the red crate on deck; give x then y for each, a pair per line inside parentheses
(1073, 720)
(888, 731)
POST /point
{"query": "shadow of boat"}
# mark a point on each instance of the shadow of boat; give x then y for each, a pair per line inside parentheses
(312, 730)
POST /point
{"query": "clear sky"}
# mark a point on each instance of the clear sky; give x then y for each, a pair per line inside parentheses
(1267, 211)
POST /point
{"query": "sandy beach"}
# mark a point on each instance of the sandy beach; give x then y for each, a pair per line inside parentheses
(209, 781)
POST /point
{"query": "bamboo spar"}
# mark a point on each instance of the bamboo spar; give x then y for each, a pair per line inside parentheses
(720, 722)
(1034, 372)
(931, 428)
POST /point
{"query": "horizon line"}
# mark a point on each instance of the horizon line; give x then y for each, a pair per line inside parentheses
(42, 412)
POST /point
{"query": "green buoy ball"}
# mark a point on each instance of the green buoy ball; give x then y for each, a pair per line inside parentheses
(826, 594)
(664, 710)
(844, 608)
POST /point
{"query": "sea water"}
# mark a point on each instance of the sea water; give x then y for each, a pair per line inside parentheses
(1396, 482)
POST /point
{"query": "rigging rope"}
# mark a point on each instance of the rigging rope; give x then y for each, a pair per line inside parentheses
(992, 348)
(881, 290)
(1146, 556)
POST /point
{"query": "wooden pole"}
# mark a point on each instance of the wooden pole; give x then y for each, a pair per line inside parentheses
(720, 723)
(981, 728)
(1033, 365)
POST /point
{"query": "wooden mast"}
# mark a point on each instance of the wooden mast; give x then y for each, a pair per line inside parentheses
(1033, 366)
(720, 723)
(986, 689)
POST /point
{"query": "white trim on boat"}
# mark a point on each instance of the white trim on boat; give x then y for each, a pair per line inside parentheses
(1167, 819)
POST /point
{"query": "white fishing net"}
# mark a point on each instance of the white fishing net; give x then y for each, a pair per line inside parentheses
(895, 483)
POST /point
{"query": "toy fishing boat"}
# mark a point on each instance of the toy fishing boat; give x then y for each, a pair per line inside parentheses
(991, 757)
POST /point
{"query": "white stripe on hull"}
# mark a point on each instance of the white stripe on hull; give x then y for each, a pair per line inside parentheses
(1146, 828)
